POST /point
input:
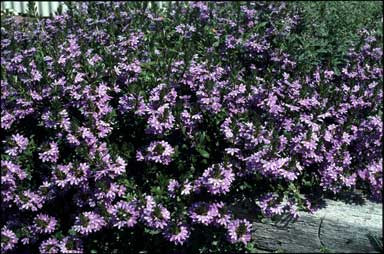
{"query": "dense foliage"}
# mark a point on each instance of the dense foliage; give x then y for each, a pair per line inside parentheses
(128, 127)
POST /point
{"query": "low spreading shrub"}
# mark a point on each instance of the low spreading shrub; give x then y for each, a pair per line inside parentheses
(123, 122)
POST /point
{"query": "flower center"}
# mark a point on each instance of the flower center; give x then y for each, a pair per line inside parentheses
(4, 171)
(84, 220)
(223, 210)
(121, 214)
(164, 116)
(60, 175)
(241, 229)
(24, 198)
(217, 174)
(175, 229)
(78, 172)
(70, 245)
(202, 209)
(157, 212)
(41, 223)
(50, 247)
(159, 149)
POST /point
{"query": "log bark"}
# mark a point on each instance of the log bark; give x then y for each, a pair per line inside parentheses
(339, 227)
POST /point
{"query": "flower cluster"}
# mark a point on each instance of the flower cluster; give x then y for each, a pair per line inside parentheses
(155, 215)
(122, 116)
(44, 224)
(19, 142)
(124, 214)
(88, 222)
(8, 239)
(158, 151)
(50, 155)
(177, 233)
(202, 212)
(217, 179)
(239, 231)
(270, 205)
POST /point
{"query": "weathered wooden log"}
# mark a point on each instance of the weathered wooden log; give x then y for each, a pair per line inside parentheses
(338, 227)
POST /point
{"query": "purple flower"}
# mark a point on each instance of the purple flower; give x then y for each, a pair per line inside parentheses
(173, 186)
(8, 239)
(134, 67)
(71, 245)
(28, 200)
(124, 214)
(51, 155)
(224, 215)
(373, 174)
(95, 59)
(239, 231)
(10, 171)
(79, 78)
(44, 223)
(7, 120)
(202, 212)
(177, 233)
(187, 188)
(60, 175)
(276, 167)
(190, 122)
(78, 174)
(269, 205)
(21, 144)
(232, 151)
(88, 222)
(36, 75)
(158, 151)
(119, 166)
(160, 120)
(110, 90)
(50, 245)
(155, 215)
(185, 30)
(218, 178)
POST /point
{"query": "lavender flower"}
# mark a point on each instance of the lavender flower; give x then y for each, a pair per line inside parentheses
(177, 233)
(44, 223)
(88, 222)
(239, 231)
(156, 215)
(10, 171)
(185, 30)
(160, 120)
(109, 90)
(218, 178)
(158, 151)
(71, 245)
(124, 214)
(223, 216)
(373, 173)
(51, 155)
(21, 143)
(8, 239)
(270, 205)
(50, 245)
(28, 200)
(187, 188)
(78, 174)
(172, 187)
(201, 212)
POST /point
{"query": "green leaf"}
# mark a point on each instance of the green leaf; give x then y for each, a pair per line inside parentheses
(203, 153)
(202, 137)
